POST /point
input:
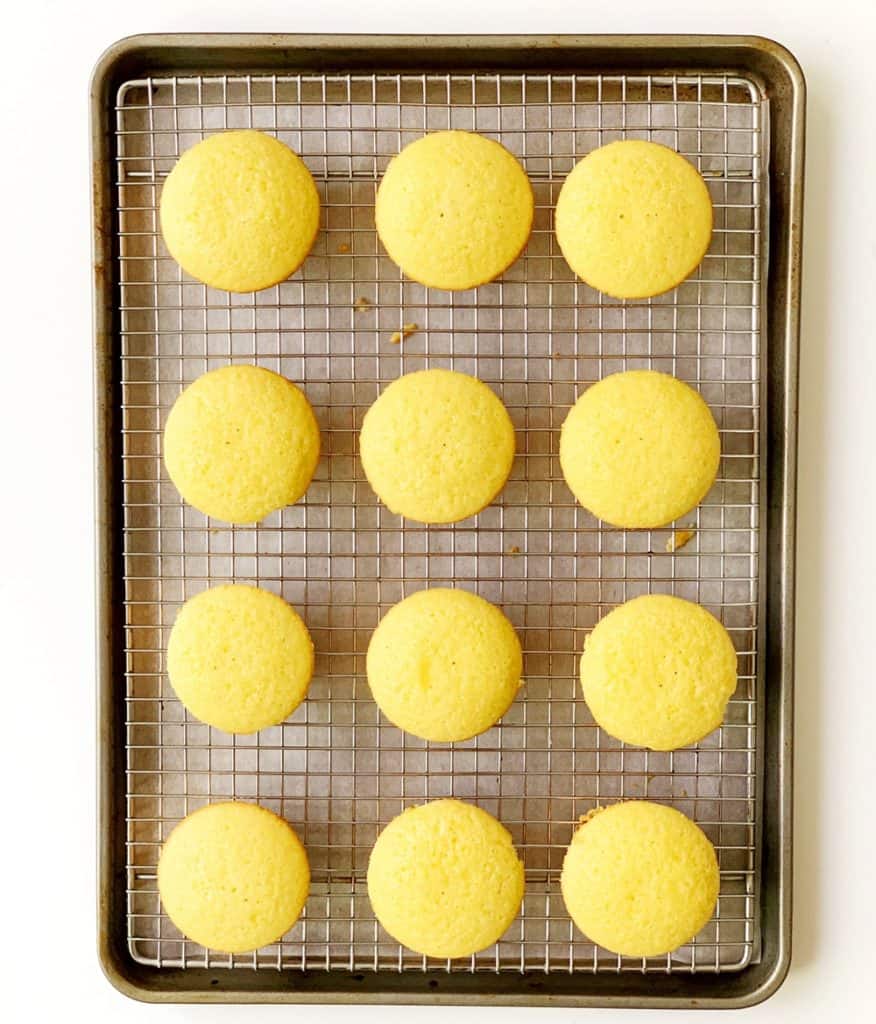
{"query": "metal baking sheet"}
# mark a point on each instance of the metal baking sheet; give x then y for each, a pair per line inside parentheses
(336, 770)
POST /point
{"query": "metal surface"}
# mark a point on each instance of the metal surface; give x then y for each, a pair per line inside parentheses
(336, 770)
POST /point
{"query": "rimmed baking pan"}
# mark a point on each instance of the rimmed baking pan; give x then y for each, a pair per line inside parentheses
(734, 106)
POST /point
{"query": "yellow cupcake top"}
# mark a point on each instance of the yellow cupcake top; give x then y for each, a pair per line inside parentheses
(239, 211)
(444, 879)
(239, 658)
(639, 449)
(444, 664)
(634, 219)
(241, 442)
(454, 210)
(640, 879)
(437, 446)
(658, 671)
(233, 877)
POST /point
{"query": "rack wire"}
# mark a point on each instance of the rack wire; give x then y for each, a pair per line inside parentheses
(335, 769)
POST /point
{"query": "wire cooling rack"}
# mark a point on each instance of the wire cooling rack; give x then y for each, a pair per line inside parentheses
(336, 770)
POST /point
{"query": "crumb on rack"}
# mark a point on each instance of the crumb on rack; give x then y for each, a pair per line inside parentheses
(399, 336)
(514, 550)
(362, 305)
(677, 540)
(343, 247)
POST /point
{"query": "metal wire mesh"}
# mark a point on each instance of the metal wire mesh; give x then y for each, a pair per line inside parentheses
(335, 770)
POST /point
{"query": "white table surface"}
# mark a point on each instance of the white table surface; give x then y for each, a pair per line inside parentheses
(46, 595)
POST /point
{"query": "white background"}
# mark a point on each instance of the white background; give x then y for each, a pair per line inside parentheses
(47, 920)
